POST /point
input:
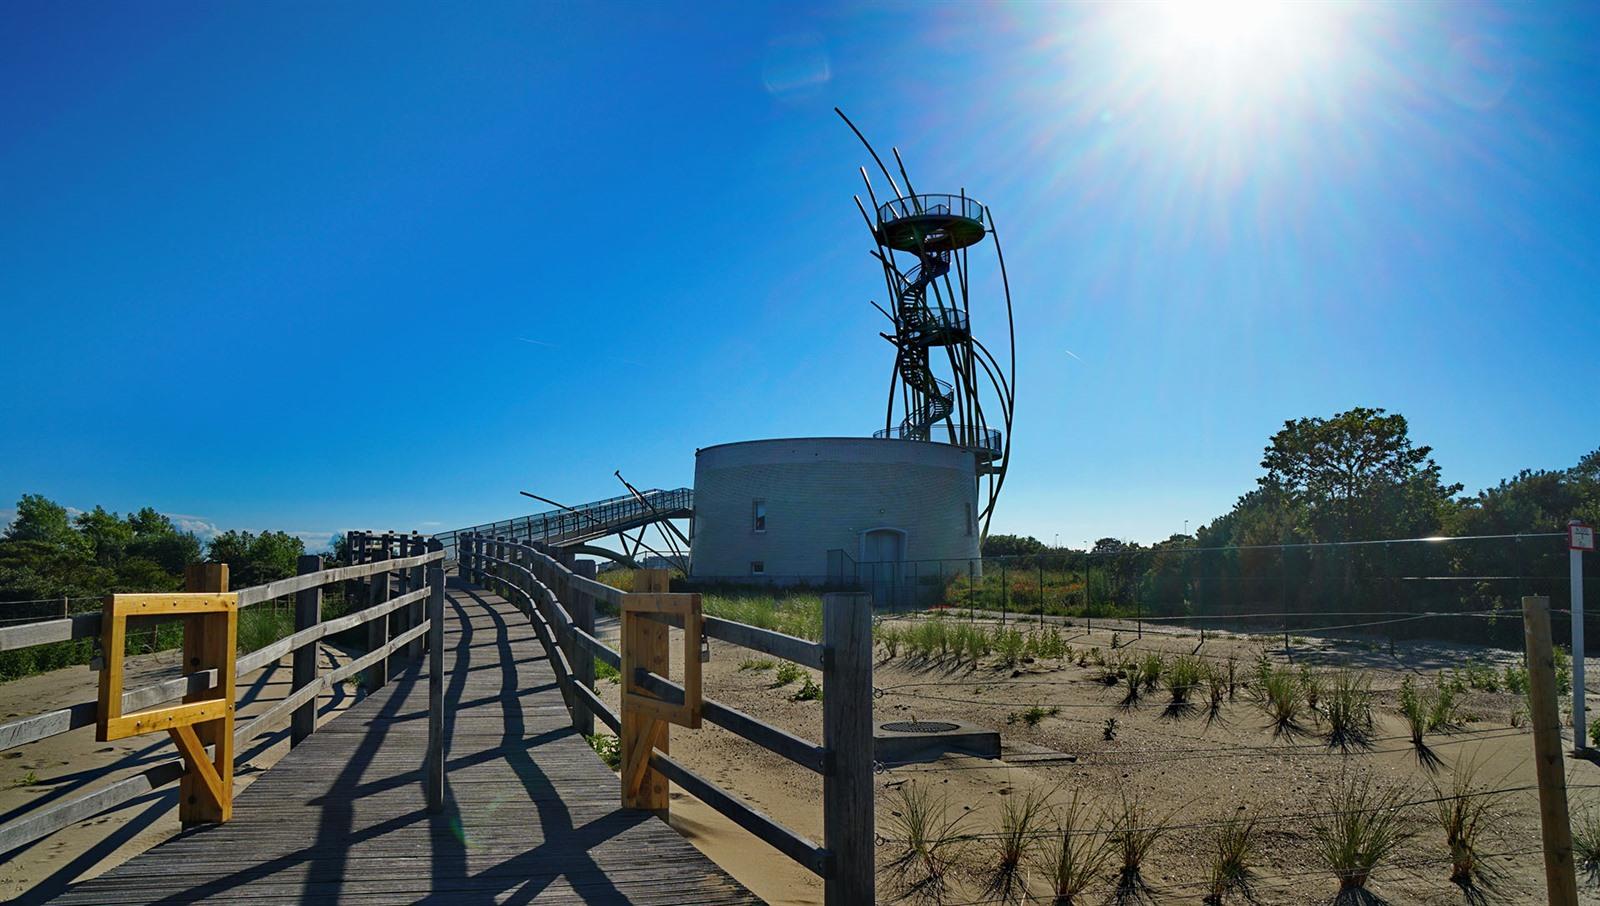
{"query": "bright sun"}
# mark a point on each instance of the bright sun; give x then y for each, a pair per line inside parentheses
(1232, 53)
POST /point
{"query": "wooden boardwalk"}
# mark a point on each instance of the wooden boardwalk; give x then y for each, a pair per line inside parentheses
(532, 815)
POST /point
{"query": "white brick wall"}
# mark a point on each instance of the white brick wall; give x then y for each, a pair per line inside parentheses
(824, 493)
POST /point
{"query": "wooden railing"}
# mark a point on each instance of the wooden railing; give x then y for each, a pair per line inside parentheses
(557, 595)
(398, 624)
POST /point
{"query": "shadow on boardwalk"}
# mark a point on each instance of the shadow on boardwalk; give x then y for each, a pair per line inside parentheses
(532, 816)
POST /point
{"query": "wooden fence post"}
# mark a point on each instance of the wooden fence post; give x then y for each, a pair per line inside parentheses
(307, 613)
(644, 644)
(378, 630)
(581, 608)
(419, 579)
(435, 781)
(201, 648)
(1560, 875)
(848, 820)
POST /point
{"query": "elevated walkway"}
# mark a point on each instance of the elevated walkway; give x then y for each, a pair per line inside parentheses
(586, 522)
(532, 815)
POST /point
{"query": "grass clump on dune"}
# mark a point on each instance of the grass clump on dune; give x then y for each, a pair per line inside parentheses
(1362, 831)
(1233, 850)
(1074, 858)
(1005, 880)
(928, 839)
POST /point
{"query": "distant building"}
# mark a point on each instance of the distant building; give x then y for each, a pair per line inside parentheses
(773, 510)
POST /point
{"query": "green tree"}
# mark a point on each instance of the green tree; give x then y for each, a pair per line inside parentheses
(1011, 545)
(256, 559)
(42, 519)
(1357, 476)
(107, 535)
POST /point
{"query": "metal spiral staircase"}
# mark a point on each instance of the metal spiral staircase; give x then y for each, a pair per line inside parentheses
(922, 328)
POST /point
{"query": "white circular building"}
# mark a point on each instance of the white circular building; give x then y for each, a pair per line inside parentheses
(811, 509)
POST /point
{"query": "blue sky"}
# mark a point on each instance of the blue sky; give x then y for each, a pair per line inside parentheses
(313, 267)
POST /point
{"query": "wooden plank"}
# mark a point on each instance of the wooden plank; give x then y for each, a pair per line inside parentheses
(42, 823)
(597, 649)
(778, 741)
(777, 644)
(82, 626)
(85, 714)
(599, 708)
(170, 603)
(112, 648)
(158, 719)
(285, 587)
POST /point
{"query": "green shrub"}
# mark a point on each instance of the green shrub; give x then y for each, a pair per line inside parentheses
(757, 664)
(788, 672)
(1032, 716)
(604, 671)
(809, 691)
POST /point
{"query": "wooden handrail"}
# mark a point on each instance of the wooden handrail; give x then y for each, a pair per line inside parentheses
(42, 822)
(87, 625)
(845, 760)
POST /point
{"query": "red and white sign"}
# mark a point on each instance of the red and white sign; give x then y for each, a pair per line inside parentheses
(1580, 537)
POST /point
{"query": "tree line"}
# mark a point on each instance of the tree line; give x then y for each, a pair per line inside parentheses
(48, 554)
(1288, 545)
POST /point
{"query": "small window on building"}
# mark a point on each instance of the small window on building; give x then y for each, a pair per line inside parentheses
(969, 518)
(758, 516)
(758, 567)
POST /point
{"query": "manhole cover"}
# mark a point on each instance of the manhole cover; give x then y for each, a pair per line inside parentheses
(919, 726)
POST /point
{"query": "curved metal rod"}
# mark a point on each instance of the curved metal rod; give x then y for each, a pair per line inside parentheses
(871, 151)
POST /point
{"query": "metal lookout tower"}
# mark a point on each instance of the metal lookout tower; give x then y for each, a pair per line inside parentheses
(932, 312)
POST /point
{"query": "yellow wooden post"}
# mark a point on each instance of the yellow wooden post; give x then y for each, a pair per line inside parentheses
(209, 645)
(644, 644)
(205, 717)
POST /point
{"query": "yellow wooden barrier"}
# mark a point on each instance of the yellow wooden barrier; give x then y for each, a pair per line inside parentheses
(210, 630)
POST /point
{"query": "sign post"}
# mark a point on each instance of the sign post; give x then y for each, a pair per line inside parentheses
(1580, 538)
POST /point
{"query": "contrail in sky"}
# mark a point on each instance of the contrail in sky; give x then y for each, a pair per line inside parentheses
(1068, 352)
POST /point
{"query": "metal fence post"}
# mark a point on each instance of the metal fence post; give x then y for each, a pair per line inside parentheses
(435, 781)
(848, 818)
(378, 630)
(307, 613)
(1560, 874)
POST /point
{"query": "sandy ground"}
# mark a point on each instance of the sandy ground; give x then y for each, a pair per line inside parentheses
(1194, 769)
(1184, 766)
(64, 766)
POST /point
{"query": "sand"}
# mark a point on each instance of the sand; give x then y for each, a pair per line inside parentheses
(1185, 766)
(1188, 768)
